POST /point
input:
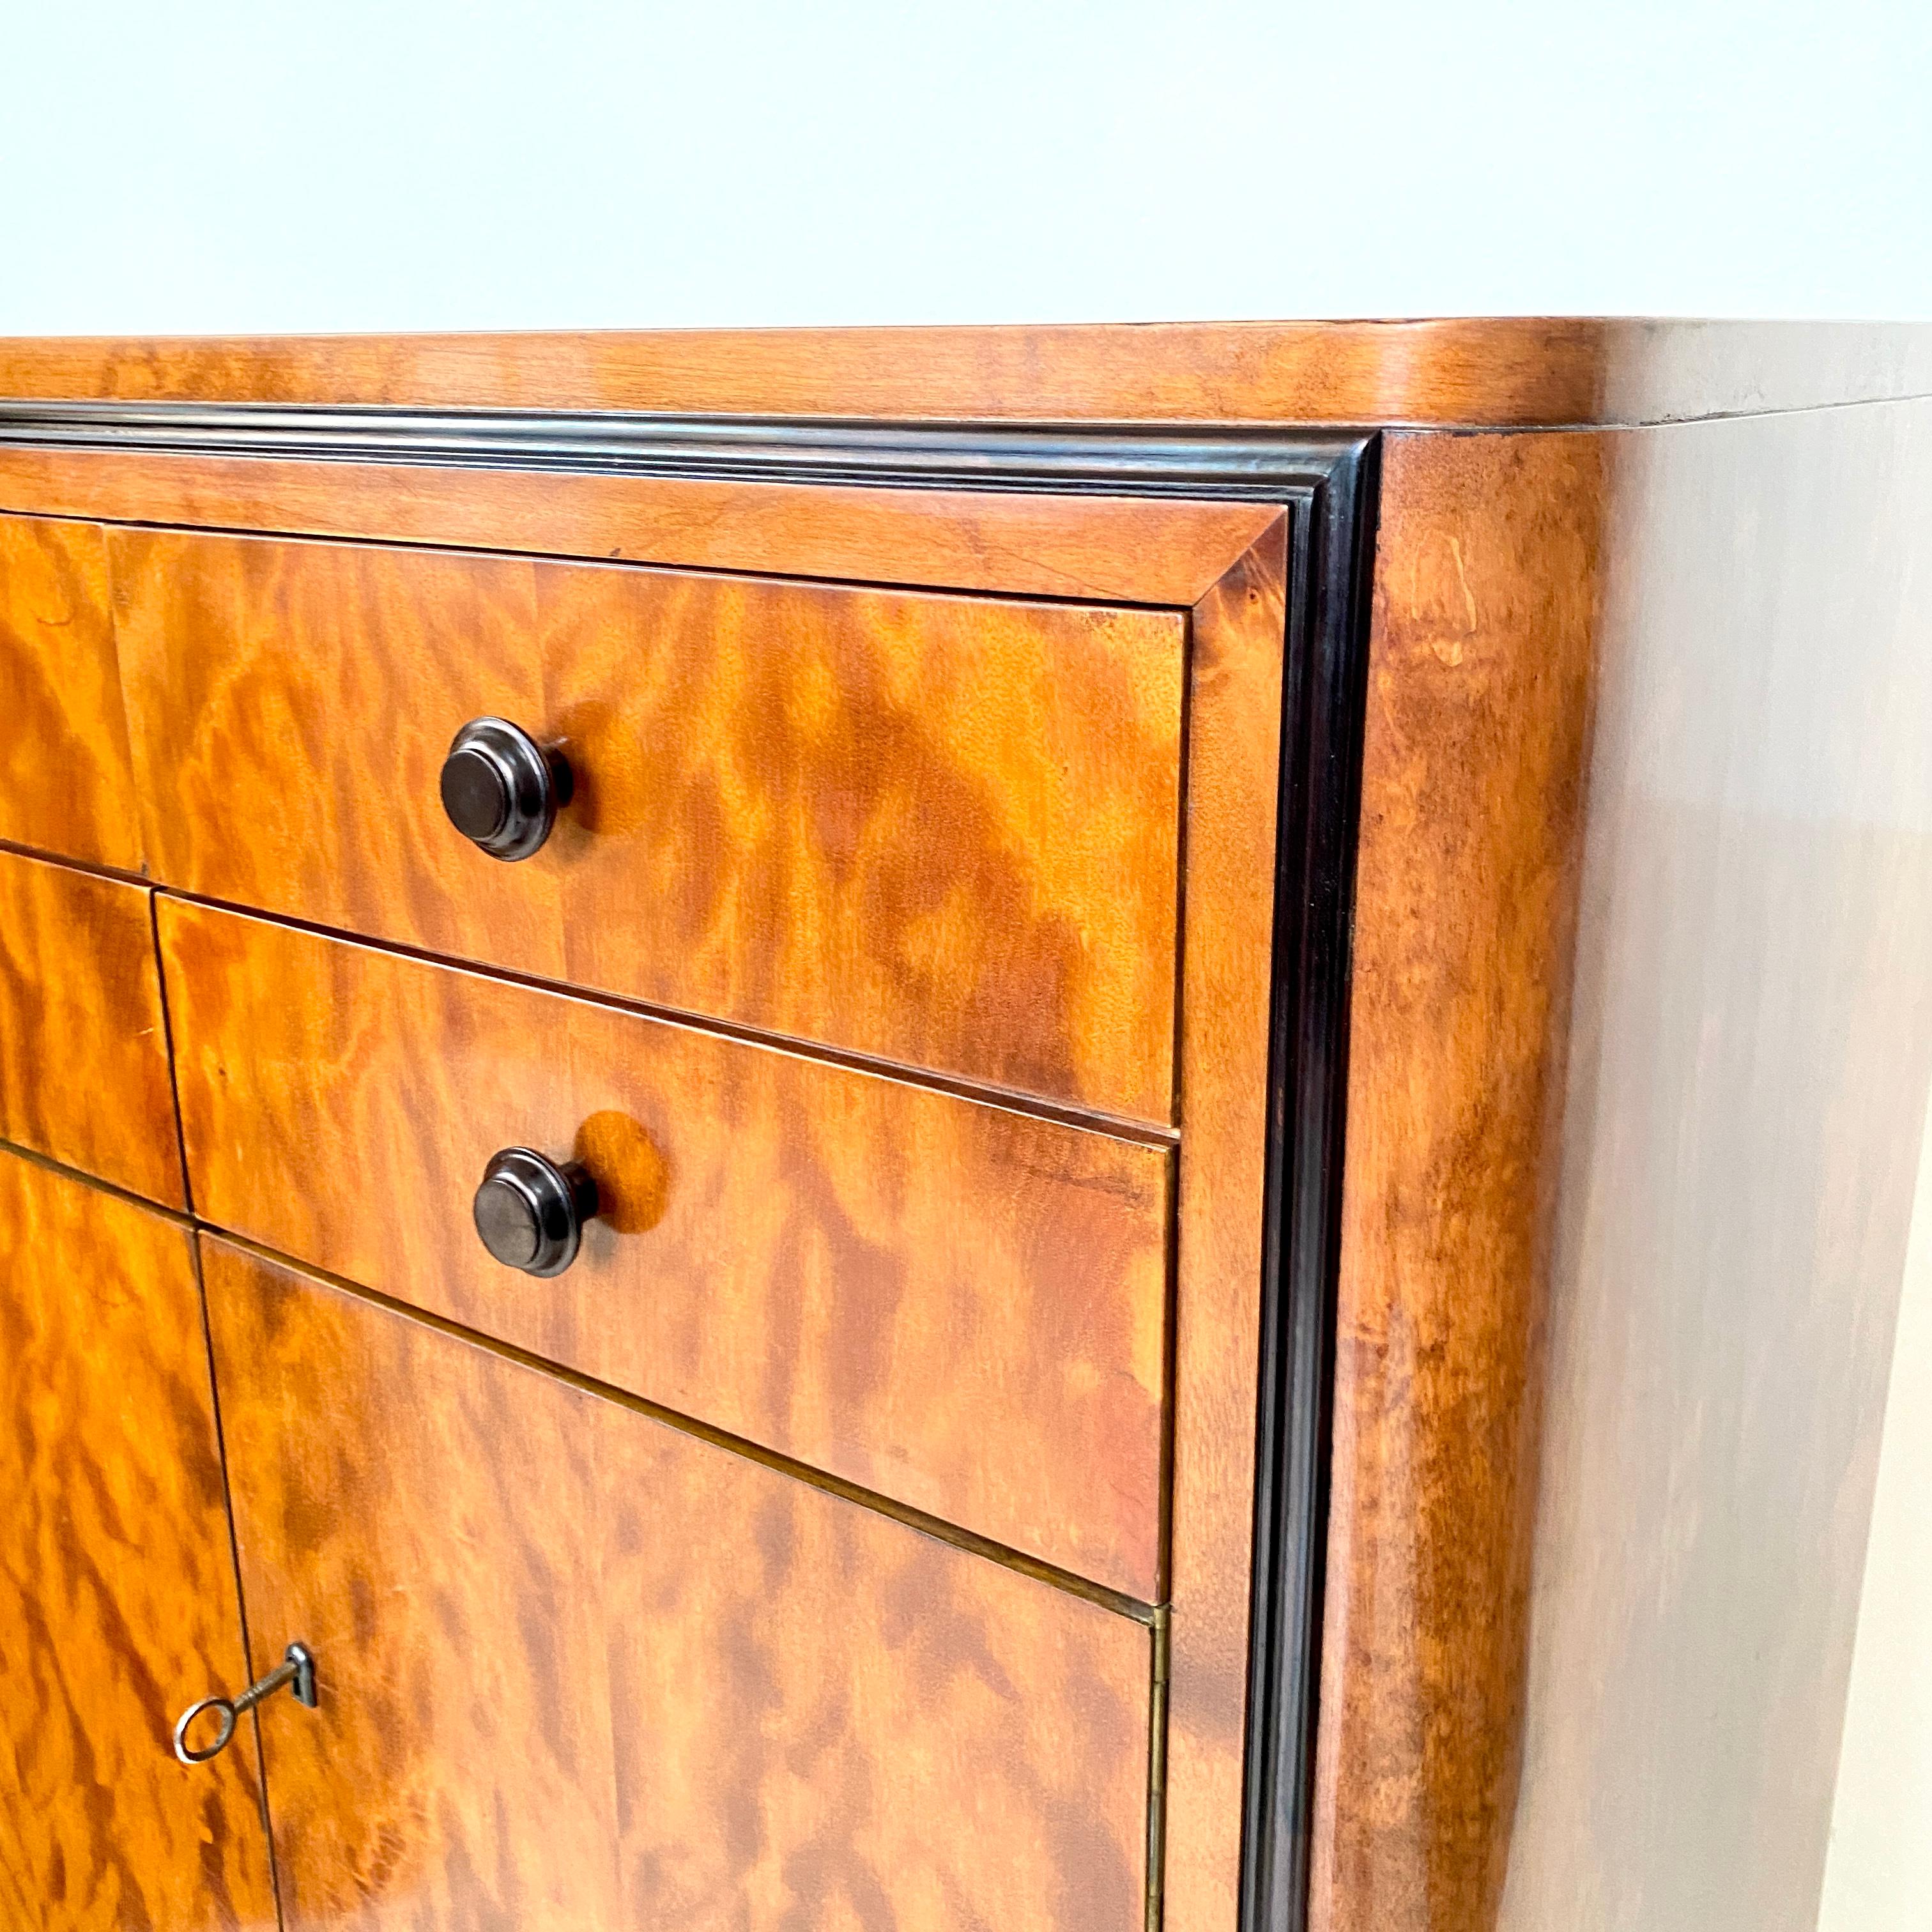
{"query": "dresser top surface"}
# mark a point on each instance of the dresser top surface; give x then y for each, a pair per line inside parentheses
(1502, 372)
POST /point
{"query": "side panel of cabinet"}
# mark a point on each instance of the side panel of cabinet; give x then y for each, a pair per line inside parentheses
(117, 1584)
(578, 1669)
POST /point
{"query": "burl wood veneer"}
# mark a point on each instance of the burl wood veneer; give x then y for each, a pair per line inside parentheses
(724, 1698)
(1259, 1081)
(117, 1583)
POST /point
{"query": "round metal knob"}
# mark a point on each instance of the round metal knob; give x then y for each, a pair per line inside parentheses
(501, 789)
(530, 1212)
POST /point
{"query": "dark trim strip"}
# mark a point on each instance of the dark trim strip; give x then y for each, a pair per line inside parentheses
(1321, 791)
(1327, 483)
(1057, 459)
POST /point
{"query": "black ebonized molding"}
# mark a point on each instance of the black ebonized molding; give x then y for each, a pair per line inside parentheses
(1085, 458)
(1328, 484)
(1324, 695)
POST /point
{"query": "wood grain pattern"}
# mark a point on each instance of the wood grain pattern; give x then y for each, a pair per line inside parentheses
(1496, 370)
(83, 1044)
(117, 1587)
(1235, 750)
(1480, 669)
(1142, 550)
(578, 1669)
(938, 831)
(65, 785)
(958, 1306)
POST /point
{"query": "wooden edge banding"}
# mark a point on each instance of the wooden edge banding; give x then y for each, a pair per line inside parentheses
(1144, 550)
(1498, 371)
(1233, 760)
(1477, 722)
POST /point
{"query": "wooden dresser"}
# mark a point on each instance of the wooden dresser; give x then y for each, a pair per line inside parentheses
(1072, 1128)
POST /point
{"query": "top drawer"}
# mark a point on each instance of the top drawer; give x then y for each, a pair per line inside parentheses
(940, 830)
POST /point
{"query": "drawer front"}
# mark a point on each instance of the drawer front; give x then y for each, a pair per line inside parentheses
(83, 1047)
(959, 1306)
(579, 1669)
(65, 782)
(117, 1581)
(939, 830)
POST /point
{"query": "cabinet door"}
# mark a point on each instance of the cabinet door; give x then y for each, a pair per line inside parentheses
(117, 1579)
(580, 1669)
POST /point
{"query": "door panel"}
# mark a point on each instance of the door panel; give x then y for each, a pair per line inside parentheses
(579, 1670)
(117, 1583)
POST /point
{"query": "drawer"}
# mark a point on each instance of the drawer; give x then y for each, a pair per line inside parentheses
(65, 782)
(942, 831)
(579, 1668)
(959, 1306)
(83, 1046)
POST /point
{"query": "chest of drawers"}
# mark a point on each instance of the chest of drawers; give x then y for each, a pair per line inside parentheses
(847, 1104)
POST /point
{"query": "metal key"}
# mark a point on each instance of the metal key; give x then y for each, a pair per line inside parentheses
(297, 1669)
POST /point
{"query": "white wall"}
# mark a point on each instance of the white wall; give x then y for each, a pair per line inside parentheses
(378, 164)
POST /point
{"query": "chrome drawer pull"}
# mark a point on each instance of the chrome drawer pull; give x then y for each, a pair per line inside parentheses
(297, 1669)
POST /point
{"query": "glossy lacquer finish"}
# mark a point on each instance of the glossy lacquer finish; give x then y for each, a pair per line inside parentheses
(117, 1585)
(960, 1305)
(938, 830)
(83, 1042)
(580, 1670)
(64, 781)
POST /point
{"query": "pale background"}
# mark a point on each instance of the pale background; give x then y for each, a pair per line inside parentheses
(377, 164)
(253, 167)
